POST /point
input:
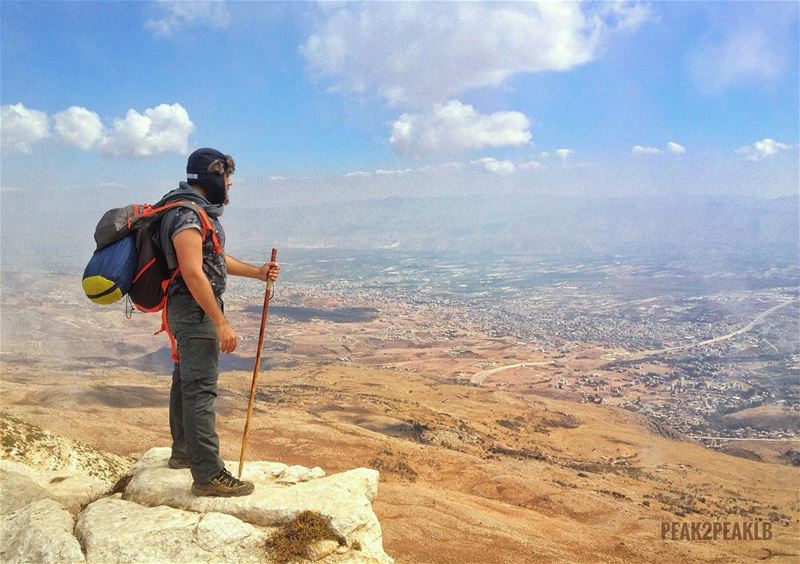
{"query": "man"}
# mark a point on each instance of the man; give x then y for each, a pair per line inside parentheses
(196, 319)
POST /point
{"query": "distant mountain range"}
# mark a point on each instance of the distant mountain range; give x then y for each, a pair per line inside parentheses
(528, 224)
(519, 223)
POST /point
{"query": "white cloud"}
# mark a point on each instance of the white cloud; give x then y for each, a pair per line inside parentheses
(163, 129)
(762, 149)
(449, 166)
(78, 127)
(640, 150)
(454, 127)
(529, 165)
(21, 127)
(212, 13)
(379, 172)
(674, 147)
(750, 55)
(495, 166)
(564, 154)
(418, 53)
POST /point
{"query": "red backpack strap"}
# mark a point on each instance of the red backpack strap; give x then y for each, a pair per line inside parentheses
(205, 222)
(208, 227)
(164, 324)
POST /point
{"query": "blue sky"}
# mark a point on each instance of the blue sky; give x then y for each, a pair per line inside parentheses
(611, 96)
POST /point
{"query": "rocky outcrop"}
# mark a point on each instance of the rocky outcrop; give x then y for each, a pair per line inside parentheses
(21, 485)
(61, 516)
(18, 488)
(281, 494)
(39, 532)
(27, 444)
(115, 530)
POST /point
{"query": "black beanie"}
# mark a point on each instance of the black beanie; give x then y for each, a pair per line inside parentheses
(208, 168)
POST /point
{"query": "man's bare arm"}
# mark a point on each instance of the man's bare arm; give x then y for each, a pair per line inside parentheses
(236, 267)
(189, 250)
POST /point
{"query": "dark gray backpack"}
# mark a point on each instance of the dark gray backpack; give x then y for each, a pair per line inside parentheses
(128, 259)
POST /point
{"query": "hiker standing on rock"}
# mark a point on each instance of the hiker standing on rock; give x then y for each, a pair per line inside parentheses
(195, 318)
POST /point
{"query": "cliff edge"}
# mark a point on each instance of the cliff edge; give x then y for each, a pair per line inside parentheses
(53, 510)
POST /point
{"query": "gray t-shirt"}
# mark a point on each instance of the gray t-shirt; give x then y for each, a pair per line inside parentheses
(214, 268)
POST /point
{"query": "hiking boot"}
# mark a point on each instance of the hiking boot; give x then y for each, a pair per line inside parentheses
(223, 485)
(178, 463)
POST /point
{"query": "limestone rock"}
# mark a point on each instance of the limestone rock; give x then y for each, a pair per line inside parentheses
(256, 470)
(37, 448)
(321, 549)
(345, 498)
(115, 530)
(157, 519)
(217, 530)
(75, 492)
(21, 484)
(296, 474)
(39, 532)
(17, 490)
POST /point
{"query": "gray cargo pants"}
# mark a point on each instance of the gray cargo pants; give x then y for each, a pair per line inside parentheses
(192, 419)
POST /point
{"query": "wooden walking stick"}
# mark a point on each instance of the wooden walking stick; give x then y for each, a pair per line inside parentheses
(264, 314)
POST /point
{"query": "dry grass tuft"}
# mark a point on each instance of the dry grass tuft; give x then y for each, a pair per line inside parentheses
(292, 542)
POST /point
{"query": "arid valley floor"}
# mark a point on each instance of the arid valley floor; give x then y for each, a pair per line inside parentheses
(493, 446)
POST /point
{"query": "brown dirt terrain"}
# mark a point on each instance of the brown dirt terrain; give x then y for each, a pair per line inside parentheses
(765, 417)
(516, 471)
(468, 474)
